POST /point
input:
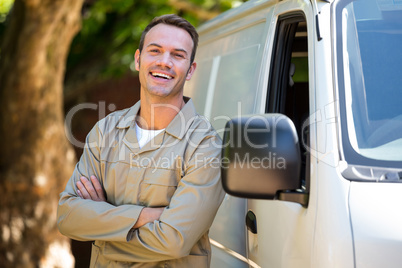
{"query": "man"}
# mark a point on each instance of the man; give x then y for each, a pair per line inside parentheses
(147, 186)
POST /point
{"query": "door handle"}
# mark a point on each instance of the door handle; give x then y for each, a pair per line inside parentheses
(251, 222)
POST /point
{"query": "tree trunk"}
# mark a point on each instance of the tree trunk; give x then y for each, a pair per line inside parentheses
(36, 158)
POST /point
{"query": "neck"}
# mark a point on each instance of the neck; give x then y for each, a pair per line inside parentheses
(158, 114)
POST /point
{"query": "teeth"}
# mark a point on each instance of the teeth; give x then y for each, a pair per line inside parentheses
(162, 75)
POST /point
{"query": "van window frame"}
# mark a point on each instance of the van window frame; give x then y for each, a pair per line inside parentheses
(279, 67)
(285, 34)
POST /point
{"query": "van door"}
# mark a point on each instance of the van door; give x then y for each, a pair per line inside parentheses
(226, 84)
(280, 233)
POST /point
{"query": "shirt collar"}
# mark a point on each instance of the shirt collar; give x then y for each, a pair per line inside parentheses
(182, 121)
(127, 119)
(177, 127)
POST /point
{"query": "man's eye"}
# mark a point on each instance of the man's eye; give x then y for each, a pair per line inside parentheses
(154, 50)
(180, 56)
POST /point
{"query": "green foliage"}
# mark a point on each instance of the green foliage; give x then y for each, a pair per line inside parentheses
(111, 31)
(5, 6)
(301, 65)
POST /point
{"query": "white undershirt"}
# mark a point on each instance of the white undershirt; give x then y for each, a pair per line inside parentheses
(145, 135)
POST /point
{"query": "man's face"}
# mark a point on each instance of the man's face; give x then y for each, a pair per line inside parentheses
(164, 63)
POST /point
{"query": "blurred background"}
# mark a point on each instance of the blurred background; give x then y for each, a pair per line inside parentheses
(64, 65)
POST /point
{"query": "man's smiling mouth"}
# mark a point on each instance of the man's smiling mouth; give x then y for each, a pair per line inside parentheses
(161, 75)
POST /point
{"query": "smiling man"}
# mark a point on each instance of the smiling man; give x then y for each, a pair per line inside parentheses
(147, 186)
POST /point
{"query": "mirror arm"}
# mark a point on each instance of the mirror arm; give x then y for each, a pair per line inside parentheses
(296, 196)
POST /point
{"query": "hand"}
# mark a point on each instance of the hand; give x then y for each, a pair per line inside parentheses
(148, 215)
(88, 190)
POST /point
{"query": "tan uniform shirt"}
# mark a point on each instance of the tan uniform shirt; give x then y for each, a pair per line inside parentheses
(179, 169)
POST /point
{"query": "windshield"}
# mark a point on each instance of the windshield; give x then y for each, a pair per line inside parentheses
(369, 64)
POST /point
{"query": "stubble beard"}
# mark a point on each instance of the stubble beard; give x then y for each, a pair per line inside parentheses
(162, 91)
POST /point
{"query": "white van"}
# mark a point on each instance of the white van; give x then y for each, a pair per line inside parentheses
(310, 93)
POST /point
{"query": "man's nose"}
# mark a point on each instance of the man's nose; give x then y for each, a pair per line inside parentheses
(165, 60)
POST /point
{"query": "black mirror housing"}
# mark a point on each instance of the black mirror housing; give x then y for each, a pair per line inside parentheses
(261, 156)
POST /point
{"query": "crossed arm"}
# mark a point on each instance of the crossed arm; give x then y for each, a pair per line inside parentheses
(92, 189)
(166, 233)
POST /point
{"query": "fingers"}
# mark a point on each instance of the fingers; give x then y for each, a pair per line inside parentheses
(80, 194)
(148, 215)
(154, 213)
(82, 191)
(90, 189)
(98, 188)
(159, 211)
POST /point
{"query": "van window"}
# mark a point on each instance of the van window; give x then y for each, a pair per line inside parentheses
(369, 57)
(237, 87)
(227, 85)
(199, 94)
(288, 91)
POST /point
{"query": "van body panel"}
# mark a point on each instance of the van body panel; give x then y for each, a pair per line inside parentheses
(333, 243)
(376, 225)
(288, 224)
(346, 223)
(229, 231)
(235, 15)
(235, 85)
(219, 80)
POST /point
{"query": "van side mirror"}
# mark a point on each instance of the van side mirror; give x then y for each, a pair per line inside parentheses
(261, 157)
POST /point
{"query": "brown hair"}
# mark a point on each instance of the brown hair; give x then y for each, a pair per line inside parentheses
(173, 20)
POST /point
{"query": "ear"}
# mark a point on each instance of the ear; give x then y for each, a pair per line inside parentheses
(191, 71)
(137, 59)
